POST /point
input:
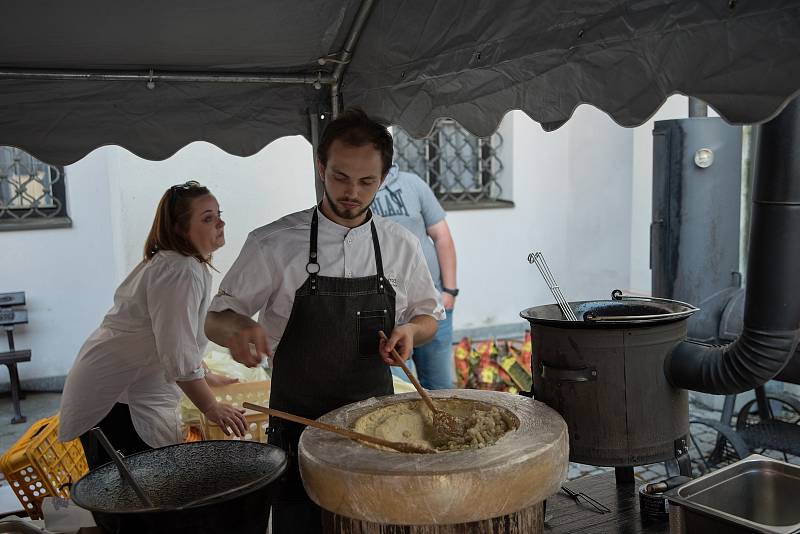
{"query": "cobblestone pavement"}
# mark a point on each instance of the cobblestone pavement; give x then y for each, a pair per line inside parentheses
(35, 406)
(705, 438)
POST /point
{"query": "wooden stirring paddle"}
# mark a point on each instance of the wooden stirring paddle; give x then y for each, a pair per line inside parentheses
(396, 445)
(445, 424)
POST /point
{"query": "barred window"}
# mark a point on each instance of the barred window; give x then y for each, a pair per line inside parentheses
(32, 193)
(462, 170)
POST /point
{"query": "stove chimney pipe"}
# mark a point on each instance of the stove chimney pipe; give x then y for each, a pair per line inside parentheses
(771, 330)
(697, 108)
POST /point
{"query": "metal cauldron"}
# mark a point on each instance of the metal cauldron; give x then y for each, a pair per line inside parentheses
(605, 375)
(200, 487)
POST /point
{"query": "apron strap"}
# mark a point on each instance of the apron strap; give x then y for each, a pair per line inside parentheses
(378, 260)
(312, 267)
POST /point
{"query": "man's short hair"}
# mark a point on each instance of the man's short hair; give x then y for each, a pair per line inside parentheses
(353, 127)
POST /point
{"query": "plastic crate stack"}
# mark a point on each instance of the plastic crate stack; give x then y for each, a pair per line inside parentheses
(38, 465)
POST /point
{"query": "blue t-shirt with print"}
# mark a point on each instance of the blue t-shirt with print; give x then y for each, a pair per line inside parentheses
(406, 199)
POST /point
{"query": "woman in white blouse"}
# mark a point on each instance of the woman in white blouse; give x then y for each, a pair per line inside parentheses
(129, 374)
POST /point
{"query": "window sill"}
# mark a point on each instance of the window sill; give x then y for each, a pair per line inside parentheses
(456, 205)
(8, 225)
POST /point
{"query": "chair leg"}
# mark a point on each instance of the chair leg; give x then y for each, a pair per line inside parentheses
(15, 394)
(727, 412)
(764, 409)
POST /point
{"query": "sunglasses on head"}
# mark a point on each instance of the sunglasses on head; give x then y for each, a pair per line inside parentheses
(176, 190)
(185, 186)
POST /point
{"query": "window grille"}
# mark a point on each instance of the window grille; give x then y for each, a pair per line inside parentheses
(32, 193)
(462, 169)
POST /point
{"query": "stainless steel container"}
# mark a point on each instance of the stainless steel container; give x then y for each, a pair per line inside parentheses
(757, 494)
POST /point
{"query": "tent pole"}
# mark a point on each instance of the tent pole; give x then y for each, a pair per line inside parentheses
(347, 52)
(697, 108)
(151, 77)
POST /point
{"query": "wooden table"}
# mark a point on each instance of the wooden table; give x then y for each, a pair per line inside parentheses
(568, 516)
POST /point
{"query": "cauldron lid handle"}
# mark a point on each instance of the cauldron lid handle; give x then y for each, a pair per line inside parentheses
(617, 294)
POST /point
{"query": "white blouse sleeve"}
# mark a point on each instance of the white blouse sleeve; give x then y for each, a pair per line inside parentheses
(174, 297)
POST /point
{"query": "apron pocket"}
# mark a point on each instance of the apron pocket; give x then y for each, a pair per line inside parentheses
(369, 324)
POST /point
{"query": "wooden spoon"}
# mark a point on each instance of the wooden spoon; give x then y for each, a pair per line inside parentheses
(396, 445)
(445, 424)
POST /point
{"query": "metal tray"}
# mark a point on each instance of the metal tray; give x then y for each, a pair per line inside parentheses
(757, 494)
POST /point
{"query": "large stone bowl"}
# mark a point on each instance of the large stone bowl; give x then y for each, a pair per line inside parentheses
(521, 470)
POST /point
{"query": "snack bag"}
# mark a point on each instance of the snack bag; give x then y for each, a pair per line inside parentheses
(505, 381)
(485, 373)
(527, 350)
(462, 355)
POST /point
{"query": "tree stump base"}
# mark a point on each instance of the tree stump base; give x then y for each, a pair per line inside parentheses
(529, 520)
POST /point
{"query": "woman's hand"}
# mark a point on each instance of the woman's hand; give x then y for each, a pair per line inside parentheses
(214, 380)
(227, 418)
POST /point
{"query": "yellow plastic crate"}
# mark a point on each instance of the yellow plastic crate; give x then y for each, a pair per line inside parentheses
(38, 465)
(257, 424)
(235, 395)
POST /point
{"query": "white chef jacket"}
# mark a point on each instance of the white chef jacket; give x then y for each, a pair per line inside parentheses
(151, 338)
(272, 266)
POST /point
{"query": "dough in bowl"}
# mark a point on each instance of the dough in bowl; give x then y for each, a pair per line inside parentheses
(412, 422)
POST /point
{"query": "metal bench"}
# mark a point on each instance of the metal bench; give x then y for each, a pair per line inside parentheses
(10, 316)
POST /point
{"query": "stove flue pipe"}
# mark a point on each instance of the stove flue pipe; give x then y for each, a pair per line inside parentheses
(771, 330)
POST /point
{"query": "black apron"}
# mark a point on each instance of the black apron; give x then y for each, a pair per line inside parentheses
(327, 358)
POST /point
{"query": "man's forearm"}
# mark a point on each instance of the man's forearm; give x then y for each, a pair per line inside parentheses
(425, 328)
(220, 326)
(244, 337)
(446, 255)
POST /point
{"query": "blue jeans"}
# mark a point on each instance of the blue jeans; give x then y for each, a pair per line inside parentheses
(433, 361)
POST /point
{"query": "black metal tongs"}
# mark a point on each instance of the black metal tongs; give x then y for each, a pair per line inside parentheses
(582, 498)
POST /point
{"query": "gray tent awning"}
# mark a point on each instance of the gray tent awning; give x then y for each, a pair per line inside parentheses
(415, 61)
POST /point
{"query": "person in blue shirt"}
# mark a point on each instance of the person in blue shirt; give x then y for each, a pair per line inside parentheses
(406, 199)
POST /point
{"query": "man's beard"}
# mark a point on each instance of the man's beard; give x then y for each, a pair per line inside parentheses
(348, 214)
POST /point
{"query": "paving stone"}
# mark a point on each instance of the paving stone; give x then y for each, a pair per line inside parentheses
(35, 406)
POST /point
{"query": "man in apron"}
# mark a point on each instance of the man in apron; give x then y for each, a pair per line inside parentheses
(325, 281)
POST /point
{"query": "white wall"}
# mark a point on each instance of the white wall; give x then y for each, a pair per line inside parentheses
(598, 205)
(572, 202)
(67, 273)
(251, 191)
